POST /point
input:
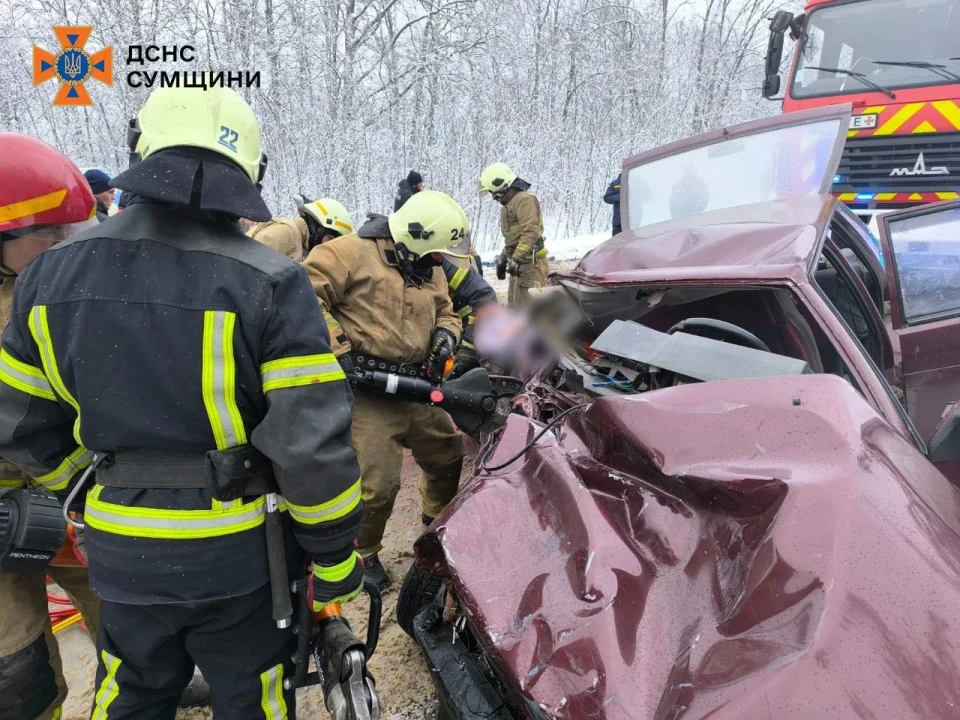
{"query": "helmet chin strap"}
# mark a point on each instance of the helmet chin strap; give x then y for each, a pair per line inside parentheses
(405, 263)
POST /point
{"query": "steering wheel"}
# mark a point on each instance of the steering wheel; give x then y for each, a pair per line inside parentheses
(708, 326)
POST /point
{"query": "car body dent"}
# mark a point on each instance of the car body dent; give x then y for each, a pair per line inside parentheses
(745, 549)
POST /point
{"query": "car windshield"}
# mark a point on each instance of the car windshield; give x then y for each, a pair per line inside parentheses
(927, 251)
(786, 162)
(861, 37)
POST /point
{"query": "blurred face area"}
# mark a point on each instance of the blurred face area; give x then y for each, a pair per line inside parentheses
(106, 197)
(19, 252)
(419, 186)
(248, 225)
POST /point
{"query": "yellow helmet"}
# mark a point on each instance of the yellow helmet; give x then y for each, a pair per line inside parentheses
(497, 178)
(330, 214)
(216, 119)
(430, 222)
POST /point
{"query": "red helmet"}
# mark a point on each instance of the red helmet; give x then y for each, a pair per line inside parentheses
(40, 186)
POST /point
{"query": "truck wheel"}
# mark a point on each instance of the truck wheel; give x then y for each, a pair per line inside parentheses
(419, 589)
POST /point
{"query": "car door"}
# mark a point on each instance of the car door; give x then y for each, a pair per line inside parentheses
(922, 250)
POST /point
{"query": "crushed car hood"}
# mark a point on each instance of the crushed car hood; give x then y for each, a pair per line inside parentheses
(759, 549)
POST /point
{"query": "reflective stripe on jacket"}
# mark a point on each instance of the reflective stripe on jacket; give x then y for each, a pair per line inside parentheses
(166, 331)
(469, 292)
(521, 222)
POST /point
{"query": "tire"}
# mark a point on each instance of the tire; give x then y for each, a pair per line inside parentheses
(419, 589)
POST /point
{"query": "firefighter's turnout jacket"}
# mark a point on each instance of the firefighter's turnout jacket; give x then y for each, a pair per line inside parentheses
(10, 475)
(151, 340)
(521, 223)
(469, 292)
(370, 307)
(287, 237)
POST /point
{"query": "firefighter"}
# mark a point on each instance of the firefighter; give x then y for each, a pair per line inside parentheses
(43, 198)
(524, 256)
(184, 372)
(385, 295)
(317, 221)
(470, 294)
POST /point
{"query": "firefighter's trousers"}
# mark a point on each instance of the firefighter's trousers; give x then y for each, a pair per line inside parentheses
(533, 274)
(382, 428)
(146, 656)
(31, 674)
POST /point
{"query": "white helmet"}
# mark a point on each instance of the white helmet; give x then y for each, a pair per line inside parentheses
(431, 222)
(330, 214)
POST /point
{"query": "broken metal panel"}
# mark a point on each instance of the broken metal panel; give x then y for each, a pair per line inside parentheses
(743, 550)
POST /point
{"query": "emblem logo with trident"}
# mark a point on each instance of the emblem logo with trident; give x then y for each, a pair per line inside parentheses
(72, 66)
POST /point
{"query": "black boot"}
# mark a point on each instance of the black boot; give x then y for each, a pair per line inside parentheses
(373, 570)
(196, 694)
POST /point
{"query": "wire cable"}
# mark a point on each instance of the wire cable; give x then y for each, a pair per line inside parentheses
(546, 428)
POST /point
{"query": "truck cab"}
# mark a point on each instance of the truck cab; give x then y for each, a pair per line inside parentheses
(898, 63)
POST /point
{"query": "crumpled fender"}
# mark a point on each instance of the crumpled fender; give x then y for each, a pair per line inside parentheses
(760, 549)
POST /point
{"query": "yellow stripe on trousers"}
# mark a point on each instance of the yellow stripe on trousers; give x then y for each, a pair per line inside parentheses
(271, 694)
(109, 689)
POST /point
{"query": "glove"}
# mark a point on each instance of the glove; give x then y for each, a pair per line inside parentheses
(336, 582)
(502, 269)
(346, 362)
(513, 269)
(443, 344)
(466, 361)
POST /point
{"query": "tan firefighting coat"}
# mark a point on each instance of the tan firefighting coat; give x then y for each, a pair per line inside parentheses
(369, 306)
(287, 237)
(10, 474)
(521, 223)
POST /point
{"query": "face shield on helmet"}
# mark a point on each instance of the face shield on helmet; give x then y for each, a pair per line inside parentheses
(431, 222)
(44, 198)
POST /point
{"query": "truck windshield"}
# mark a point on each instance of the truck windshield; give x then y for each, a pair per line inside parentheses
(919, 38)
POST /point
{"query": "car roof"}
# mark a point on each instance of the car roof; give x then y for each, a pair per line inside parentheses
(767, 241)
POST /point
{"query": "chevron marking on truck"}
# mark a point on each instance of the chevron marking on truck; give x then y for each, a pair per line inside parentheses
(913, 118)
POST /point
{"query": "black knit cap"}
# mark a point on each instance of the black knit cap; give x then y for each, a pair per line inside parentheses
(414, 178)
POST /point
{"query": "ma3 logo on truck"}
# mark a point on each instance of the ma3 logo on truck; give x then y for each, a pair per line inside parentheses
(72, 65)
(920, 168)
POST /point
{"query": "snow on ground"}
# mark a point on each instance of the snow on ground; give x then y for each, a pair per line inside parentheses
(572, 248)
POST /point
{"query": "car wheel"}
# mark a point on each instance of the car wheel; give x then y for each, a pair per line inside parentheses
(419, 589)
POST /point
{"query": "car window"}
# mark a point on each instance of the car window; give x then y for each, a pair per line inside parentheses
(834, 364)
(862, 251)
(781, 163)
(846, 302)
(926, 250)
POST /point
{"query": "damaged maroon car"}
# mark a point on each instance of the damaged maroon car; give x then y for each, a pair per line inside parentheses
(727, 489)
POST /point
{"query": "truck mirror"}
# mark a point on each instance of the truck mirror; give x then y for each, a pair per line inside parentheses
(780, 22)
(771, 83)
(945, 444)
(771, 86)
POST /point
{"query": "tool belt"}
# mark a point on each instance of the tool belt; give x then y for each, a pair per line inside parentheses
(230, 474)
(367, 362)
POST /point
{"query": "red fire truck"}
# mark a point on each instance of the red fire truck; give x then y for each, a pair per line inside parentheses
(898, 62)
